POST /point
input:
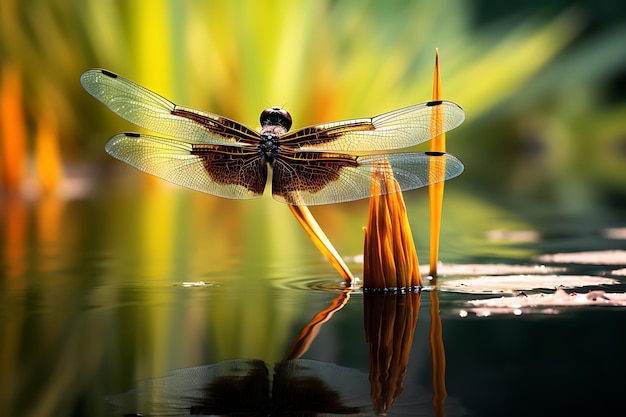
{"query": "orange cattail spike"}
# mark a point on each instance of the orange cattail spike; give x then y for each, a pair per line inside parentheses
(435, 194)
(435, 191)
(389, 257)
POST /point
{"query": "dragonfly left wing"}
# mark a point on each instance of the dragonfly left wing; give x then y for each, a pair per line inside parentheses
(224, 171)
(149, 110)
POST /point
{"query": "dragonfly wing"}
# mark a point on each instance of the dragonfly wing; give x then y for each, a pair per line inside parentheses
(396, 129)
(149, 110)
(313, 178)
(224, 171)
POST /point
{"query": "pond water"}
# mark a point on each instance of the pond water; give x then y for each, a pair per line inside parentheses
(188, 303)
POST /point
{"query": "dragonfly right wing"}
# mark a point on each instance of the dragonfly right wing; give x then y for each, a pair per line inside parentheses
(396, 129)
(312, 178)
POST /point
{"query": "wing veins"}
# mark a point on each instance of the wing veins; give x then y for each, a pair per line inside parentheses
(151, 111)
(396, 129)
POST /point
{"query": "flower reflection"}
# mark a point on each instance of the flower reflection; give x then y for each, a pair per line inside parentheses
(390, 321)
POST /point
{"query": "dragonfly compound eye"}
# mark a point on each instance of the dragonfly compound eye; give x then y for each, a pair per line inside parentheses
(276, 116)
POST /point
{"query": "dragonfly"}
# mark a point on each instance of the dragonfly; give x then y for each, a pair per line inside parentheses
(319, 164)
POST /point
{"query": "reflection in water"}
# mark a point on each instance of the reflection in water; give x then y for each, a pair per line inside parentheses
(15, 224)
(438, 356)
(390, 321)
(244, 387)
(310, 331)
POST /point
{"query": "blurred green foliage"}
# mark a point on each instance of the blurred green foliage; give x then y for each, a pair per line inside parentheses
(542, 82)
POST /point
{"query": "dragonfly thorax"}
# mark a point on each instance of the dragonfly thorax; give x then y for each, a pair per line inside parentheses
(269, 147)
(275, 122)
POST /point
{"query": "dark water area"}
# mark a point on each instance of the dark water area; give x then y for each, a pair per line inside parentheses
(110, 295)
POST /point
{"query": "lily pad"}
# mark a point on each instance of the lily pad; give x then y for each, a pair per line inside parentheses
(607, 257)
(511, 283)
(543, 303)
(491, 269)
(615, 233)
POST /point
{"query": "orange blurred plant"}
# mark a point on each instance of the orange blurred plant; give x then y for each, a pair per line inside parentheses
(13, 137)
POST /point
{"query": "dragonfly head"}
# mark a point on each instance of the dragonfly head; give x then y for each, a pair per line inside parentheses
(275, 116)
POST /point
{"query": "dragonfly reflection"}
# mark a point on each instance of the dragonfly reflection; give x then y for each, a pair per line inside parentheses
(245, 387)
(319, 164)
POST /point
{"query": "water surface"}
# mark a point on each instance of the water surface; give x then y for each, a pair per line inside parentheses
(101, 293)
